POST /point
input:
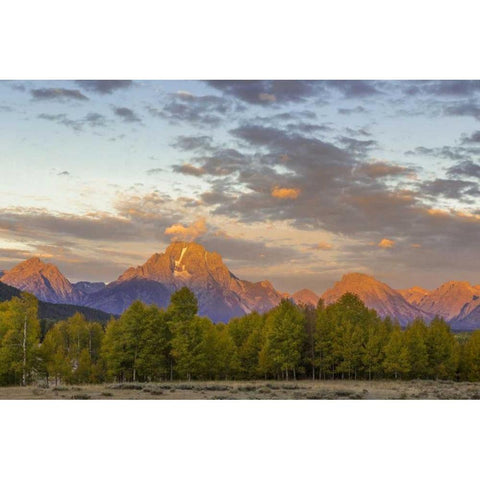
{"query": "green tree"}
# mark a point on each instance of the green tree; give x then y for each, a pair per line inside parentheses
(54, 355)
(19, 339)
(248, 334)
(191, 347)
(284, 337)
(112, 352)
(374, 349)
(310, 315)
(67, 344)
(153, 358)
(396, 361)
(183, 305)
(180, 313)
(443, 350)
(471, 358)
(224, 363)
(324, 339)
(124, 341)
(416, 342)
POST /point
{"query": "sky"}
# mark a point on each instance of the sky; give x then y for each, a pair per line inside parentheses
(297, 182)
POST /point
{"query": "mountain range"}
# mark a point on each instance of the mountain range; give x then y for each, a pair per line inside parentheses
(222, 295)
(55, 311)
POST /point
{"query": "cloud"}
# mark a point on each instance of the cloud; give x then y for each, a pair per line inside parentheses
(189, 169)
(279, 192)
(323, 246)
(57, 94)
(267, 97)
(454, 88)
(126, 114)
(448, 152)
(95, 119)
(104, 87)
(450, 188)
(189, 143)
(357, 147)
(466, 168)
(465, 109)
(382, 169)
(354, 88)
(308, 128)
(155, 171)
(472, 138)
(350, 111)
(189, 233)
(91, 119)
(386, 243)
(267, 92)
(222, 163)
(199, 110)
(38, 223)
(62, 119)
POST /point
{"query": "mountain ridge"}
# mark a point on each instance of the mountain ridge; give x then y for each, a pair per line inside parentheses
(222, 295)
(375, 294)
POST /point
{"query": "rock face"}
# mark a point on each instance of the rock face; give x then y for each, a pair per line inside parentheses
(305, 297)
(221, 295)
(88, 287)
(118, 296)
(384, 299)
(448, 300)
(456, 302)
(414, 295)
(43, 280)
(469, 317)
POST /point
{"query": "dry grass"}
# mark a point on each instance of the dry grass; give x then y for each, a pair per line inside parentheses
(257, 390)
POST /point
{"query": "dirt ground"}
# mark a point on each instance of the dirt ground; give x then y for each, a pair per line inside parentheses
(258, 390)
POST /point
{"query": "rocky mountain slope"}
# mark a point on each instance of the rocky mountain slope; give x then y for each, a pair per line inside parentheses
(305, 297)
(55, 311)
(384, 299)
(221, 295)
(89, 287)
(448, 300)
(414, 295)
(44, 280)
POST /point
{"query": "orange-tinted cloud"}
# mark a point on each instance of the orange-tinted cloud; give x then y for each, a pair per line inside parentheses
(279, 192)
(266, 97)
(323, 246)
(189, 233)
(386, 243)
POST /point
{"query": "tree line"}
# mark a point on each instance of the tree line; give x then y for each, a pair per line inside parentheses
(344, 340)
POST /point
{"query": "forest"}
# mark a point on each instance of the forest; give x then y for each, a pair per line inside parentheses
(344, 340)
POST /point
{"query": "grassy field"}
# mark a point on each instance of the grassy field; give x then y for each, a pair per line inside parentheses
(259, 390)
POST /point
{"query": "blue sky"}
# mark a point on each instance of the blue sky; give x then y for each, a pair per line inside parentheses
(297, 182)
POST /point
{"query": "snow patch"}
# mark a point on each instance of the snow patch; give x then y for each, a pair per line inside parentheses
(179, 261)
